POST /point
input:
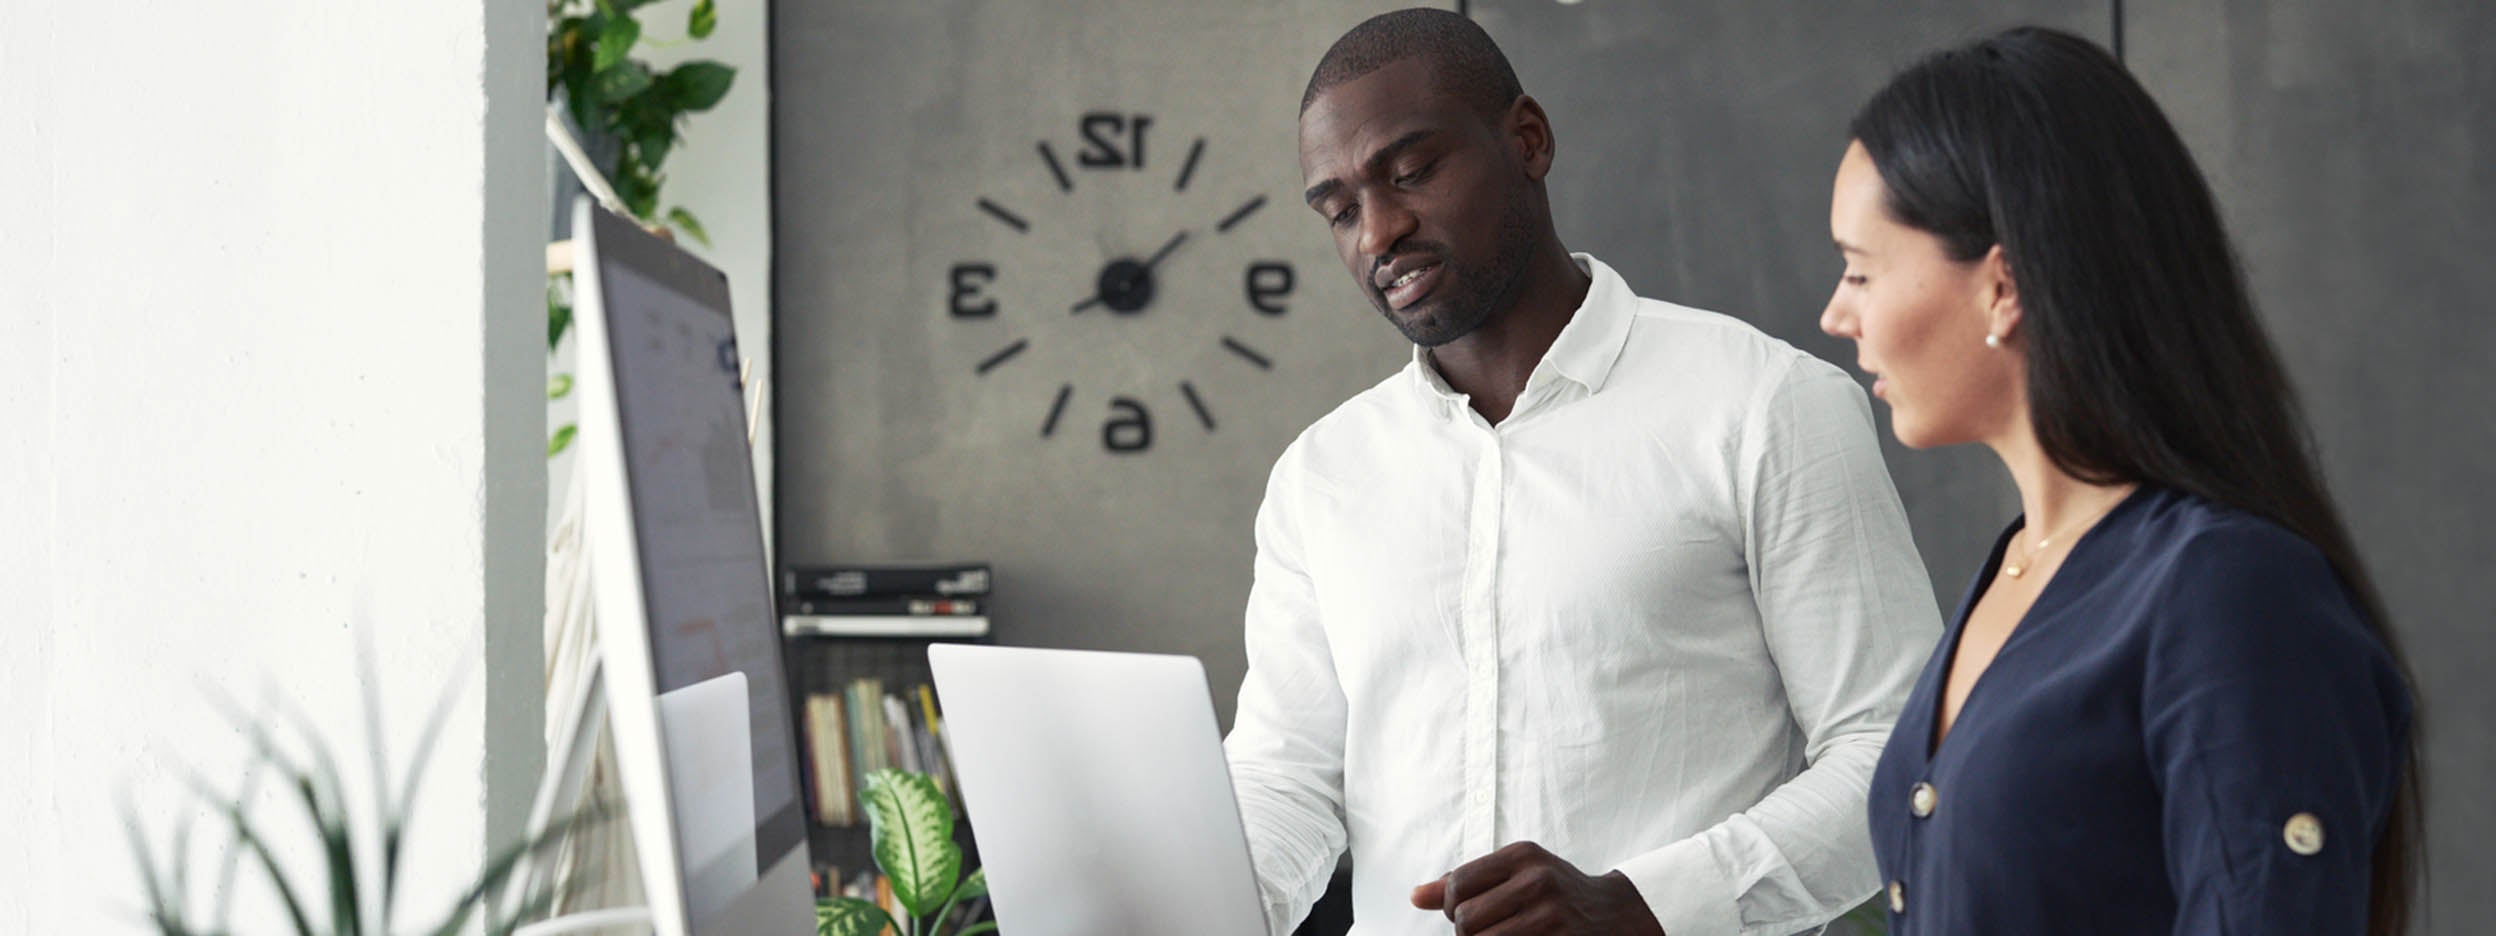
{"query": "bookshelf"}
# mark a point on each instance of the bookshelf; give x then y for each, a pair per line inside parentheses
(822, 661)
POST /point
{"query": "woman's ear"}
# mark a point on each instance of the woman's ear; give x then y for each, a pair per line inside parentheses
(1999, 292)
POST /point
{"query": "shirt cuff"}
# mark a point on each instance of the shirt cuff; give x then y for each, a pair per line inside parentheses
(1687, 892)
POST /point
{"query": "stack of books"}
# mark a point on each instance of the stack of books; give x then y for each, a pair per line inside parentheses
(863, 729)
(886, 601)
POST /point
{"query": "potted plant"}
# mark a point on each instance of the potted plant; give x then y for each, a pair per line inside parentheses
(910, 822)
(329, 896)
(629, 116)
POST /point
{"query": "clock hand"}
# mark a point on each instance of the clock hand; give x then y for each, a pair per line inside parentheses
(1155, 260)
(1158, 255)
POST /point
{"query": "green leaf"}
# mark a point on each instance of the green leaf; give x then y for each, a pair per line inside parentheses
(684, 221)
(698, 86)
(558, 321)
(559, 387)
(637, 186)
(564, 55)
(324, 799)
(704, 19)
(850, 916)
(248, 835)
(561, 441)
(488, 888)
(160, 910)
(615, 41)
(624, 80)
(654, 141)
(974, 886)
(911, 824)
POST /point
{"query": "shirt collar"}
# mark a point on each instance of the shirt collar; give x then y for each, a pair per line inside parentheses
(1585, 349)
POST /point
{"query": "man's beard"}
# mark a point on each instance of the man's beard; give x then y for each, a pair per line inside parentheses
(1473, 293)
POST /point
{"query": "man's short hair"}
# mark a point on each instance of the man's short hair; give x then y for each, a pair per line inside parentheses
(1464, 62)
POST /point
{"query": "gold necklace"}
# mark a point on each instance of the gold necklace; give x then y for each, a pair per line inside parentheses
(2028, 557)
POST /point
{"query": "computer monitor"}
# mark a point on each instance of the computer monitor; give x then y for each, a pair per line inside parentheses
(704, 744)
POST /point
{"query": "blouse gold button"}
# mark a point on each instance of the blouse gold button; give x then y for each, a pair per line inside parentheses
(2304, 834)
(1924, 799)
(1897, 897)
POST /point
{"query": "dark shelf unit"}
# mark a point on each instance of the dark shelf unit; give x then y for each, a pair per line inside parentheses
(827, 664)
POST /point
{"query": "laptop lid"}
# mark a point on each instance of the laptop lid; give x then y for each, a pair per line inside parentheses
(1097, 791)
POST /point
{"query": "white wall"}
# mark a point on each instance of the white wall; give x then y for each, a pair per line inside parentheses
(270, 355)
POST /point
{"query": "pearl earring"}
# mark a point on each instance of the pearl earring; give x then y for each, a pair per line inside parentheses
(1993, 341)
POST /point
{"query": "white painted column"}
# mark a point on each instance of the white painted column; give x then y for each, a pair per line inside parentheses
(271, 352)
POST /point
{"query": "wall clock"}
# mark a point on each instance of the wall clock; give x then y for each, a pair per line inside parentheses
(1170, 253)
(952, 178)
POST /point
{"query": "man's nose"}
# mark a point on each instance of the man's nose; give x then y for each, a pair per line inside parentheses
(1384, 223)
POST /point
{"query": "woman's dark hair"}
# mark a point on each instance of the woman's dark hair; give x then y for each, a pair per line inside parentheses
(2145, 361)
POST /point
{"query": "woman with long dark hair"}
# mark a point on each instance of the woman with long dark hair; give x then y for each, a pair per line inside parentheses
(2171, 701)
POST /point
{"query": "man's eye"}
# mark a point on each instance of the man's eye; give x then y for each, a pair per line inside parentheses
(1852, 279)
(1415, 176)
(1341, 217)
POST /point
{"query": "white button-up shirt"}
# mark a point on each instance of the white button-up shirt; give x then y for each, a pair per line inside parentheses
(1658, 620)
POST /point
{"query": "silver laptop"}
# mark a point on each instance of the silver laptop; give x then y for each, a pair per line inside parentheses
(1097, 792)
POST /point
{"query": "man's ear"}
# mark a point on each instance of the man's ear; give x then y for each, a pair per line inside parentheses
(1999, 294)
(1529, 130)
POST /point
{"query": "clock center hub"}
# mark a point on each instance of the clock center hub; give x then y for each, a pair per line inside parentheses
(1125, 286)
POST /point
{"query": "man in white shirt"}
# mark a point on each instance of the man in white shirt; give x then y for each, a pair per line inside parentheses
(1594, 618)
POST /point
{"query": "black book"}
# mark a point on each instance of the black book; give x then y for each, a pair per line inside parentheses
(832, 583)
(915, 606)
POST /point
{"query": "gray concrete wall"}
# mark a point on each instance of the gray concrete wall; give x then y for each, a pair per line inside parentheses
(2349, 143)
(1697, 142)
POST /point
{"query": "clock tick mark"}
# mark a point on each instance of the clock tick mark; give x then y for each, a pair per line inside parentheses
(1203, 415)
(1011, 219)
(1240, 215)
(1064, 184)
(1057, 409)
(1250, 354)
(1003, 356)
(1188, 171)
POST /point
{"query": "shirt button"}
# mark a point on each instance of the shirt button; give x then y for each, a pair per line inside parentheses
(1897, 897)
(1924, 800)
(2304, 834)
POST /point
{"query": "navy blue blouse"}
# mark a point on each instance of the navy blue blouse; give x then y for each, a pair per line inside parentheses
(2193, 730)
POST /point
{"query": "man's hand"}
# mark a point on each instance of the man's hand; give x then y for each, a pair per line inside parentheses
(1522, 889)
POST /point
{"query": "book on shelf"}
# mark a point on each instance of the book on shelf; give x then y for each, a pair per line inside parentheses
(827, 761)
(834, 582)
(866, 711)
(862, 728)
(884, 625)
(902, 739)
(932, 729)
(913, 606)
